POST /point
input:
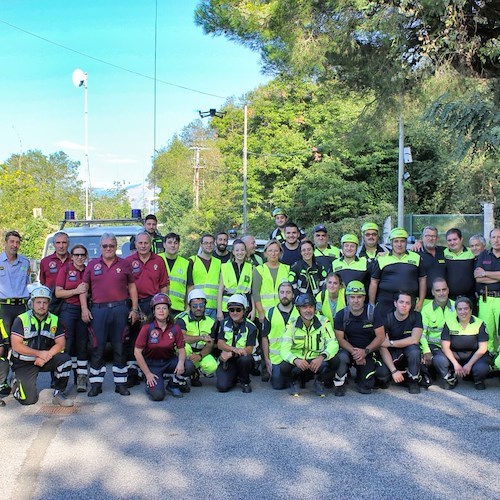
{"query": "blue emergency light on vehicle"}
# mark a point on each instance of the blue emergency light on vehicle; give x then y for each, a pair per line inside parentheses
(136, 213)
(69, 215)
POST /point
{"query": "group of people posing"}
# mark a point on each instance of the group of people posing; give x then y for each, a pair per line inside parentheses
(304, 310)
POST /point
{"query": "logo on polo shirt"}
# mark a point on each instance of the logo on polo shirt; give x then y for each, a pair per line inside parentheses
(118, 270)
(71, 275)
(97, 269)
(52, 267)
(155, 267)
(136, 266)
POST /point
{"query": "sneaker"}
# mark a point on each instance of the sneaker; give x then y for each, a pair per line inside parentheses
(450, 380)
(81, 383)
(293, 389)
(246, 388)
(413, 387)
(61, 399)
(340, 391)
(319, 388)
(4, 389)
(480, 386)
(175, 391)
(2, 402)
(363, 390)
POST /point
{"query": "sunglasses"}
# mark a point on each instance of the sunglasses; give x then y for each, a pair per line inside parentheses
(79, 255)
(108, 246)
(235, 309)
(197, 306)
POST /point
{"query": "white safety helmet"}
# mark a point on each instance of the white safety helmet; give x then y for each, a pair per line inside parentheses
(196, 294)
(237, 298)
(39, 291)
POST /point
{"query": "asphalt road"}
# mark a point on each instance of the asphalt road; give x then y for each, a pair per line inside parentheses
(439, 444)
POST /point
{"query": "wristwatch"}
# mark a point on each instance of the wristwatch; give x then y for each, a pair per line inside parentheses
(367, 351)
(391, 343)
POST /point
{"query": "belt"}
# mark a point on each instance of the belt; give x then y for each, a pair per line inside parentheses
(13, 302)
(110, 304)
(491, 294)
(145, 299)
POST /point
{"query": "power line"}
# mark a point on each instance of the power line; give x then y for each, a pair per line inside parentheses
(102, 61)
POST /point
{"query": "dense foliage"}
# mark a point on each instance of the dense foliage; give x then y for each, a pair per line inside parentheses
(36, 190)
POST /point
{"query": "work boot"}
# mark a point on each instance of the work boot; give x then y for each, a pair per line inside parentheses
(61, 399)
(81, 383)
(319, 388)
(246, 388)
(480, 385)
(122, 390)
(95, 389)
(340, 390)
(265, 375)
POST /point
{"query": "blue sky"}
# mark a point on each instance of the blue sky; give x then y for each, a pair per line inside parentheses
(40, 108)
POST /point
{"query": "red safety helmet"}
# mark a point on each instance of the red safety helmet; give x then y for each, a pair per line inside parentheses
(160, 298)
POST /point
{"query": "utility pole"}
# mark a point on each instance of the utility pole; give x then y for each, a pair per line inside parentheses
(196, 176)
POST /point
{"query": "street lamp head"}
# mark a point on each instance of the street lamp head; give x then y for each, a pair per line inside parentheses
(79, 77)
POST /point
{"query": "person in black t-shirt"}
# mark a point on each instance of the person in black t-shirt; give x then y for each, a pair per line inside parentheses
(358, 337)
(400, 350)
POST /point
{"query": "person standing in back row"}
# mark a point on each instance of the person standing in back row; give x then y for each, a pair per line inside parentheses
(111, 283)
(14, 273)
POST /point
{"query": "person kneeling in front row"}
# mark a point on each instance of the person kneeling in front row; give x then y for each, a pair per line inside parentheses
(237, 338)
(155, 351)
(38, 340)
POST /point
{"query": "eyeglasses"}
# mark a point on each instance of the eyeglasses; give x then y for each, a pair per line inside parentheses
(235, 309)
(197, 306)
(79, 255)
(108, 246)
(371, 235)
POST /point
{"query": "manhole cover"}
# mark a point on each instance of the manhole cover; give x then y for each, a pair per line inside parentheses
(57, 410)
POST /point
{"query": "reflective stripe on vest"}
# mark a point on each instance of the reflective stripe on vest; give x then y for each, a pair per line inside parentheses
(178, 281)
(207, 281)
(231, 286)
(324, 299)
(269, 289)
(196, 328)
(433, 320)
(276, 332)
(46, 329)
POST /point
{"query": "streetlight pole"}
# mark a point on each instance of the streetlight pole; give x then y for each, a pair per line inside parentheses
(245, 164)
(401, 171)
(80, 79)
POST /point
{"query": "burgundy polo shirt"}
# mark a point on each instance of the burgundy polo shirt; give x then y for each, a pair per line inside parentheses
(49, 268)
(157, 343)
(150, 276)
(68, 278)
(108, 284)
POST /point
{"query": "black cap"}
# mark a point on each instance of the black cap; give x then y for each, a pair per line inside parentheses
(320, 228)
